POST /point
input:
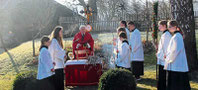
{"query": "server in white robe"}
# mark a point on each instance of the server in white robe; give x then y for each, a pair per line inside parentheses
(161, 54)
(123, 60)
(58, 54)
(45, 67)
(137, 53)
(123, 24)
(118, 41)
(176, 61)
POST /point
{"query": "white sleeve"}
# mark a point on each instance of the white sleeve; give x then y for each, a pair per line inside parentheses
(46, 60)
(174, 51)
(57, 50)
(60, 53)
(166, 42)
(160, 49)
(123, 53)
(135, 44)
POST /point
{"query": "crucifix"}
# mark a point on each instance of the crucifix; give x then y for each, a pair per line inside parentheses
(88, 12)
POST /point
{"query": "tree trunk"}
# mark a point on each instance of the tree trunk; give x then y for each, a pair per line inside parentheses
(10, 56)
(33, 47)
(2, 42)
(182, 12)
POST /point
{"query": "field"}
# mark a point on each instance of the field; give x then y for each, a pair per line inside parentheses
(23, 61)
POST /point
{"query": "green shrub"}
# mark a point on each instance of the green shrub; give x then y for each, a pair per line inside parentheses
(25, 81)
(117, 79)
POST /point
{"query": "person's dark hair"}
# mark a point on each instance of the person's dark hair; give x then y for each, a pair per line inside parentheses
(43, 40)
(124, 22)
(121, 30)
(173, 23)
(163, 22)
(57, 36)
(131, 23)
(123, 35)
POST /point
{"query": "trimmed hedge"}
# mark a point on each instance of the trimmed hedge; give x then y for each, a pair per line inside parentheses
(26, 81)
(117, 79)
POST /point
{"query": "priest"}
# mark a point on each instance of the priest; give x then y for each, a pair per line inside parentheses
(83, 43)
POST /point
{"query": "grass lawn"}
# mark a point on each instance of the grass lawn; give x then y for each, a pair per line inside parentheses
(23, 61)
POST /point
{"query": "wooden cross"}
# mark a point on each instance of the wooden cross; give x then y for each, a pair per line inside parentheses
(88, 12)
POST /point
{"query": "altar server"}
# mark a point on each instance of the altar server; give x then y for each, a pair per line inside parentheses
(117, 41)
(45, 66)
(161, 54)
(58, 54)
(137, 53)
(123, 24)
(176, 61)
(123, 60)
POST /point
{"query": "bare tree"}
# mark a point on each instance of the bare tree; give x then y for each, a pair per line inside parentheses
(38, 14)
(182, 12)
(4, 17)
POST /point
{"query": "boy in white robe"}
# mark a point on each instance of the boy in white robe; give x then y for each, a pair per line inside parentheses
(123, 60)
(161, 53)
(176, 61)
(137, 53)
(45, 66)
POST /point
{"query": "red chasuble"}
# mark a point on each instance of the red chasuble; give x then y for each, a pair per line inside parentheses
(79, 39)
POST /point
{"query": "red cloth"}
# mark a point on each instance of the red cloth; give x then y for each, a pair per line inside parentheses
(78, 39)
(78, 75)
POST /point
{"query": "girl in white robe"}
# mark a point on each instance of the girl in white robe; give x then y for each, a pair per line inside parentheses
(176, 61)
(161, 54)
(123, 60)
(45, 66)
(137, 53)
(58, 56)
(118, 44)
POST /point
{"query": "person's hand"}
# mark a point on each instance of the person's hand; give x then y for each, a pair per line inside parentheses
(78, 45)
(88, 46)
(114, 39)
(52, 70)
(164, 56)
(65, 57)
(117, 51)
(130, 48)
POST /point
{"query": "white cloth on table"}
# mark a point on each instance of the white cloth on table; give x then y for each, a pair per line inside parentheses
(76, 62)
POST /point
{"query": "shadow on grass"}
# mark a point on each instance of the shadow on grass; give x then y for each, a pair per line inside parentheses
(148, 81)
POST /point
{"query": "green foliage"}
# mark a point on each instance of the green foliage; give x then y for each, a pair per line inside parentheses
(25, 81)
(117, 79)
(154, 20)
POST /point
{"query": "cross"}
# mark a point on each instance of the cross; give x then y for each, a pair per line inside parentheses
(88, 12)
